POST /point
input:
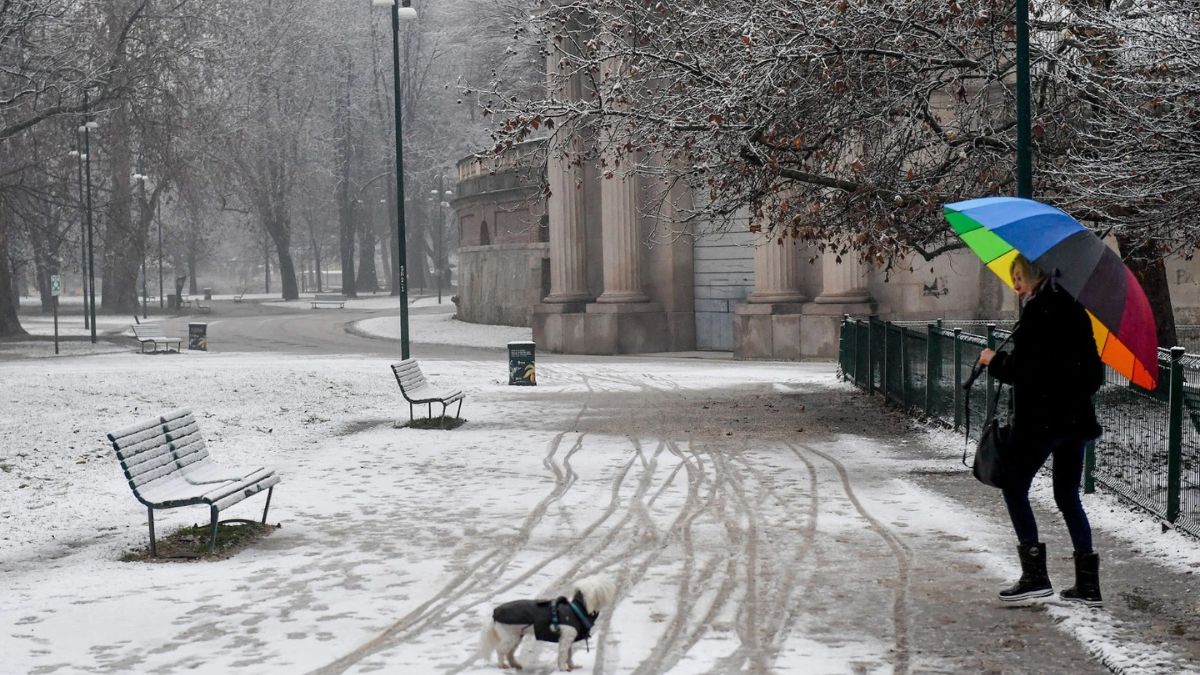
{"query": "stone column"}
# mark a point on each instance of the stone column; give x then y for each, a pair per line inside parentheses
(776, 272)
(622, 243)
(619, 218)
(564, 207)
(843, 291)
(842, 282)
(767, 324)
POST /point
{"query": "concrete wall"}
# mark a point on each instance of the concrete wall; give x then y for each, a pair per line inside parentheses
(500, 284)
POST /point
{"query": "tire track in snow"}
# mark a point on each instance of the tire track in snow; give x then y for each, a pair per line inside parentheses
(483, 571)
(900, 551)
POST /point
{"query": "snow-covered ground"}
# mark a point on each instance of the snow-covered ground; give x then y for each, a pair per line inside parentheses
(746, 532)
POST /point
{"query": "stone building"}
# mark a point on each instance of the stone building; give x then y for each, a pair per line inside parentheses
(595, 269)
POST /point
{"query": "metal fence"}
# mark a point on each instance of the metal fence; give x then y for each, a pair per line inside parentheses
(1149, 453)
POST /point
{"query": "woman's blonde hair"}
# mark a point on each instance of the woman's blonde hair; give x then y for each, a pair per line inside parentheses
(1030, 271)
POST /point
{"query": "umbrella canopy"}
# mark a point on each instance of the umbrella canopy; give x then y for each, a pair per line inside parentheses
(997, 229)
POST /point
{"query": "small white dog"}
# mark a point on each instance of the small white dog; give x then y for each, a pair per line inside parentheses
(559, 620)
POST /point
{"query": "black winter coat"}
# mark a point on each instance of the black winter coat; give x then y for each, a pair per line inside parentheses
(1053, 367)
(537, 614)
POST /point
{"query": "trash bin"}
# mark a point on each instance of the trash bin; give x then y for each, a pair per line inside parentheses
(208, 294)
(198, 336)
(520, 364)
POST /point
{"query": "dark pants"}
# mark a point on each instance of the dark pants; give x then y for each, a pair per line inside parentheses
(1067, 473)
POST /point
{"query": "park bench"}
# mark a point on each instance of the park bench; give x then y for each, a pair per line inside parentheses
(322, 299)
(200, 306)
(168, 466)
(239, 296)
(151, 334)
(416, 390)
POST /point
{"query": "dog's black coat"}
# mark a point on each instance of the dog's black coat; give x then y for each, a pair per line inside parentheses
(538, 614)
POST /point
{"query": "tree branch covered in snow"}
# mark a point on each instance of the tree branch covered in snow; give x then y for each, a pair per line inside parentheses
(850, 124)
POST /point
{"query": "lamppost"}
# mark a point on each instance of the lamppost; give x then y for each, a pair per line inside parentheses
(86, 129)
(83, 244)
(406, 13)
(141, 178)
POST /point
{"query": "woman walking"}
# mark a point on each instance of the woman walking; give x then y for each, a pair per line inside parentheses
(1054, 370)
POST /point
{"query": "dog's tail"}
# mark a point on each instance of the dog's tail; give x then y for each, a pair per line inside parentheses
(489, 639)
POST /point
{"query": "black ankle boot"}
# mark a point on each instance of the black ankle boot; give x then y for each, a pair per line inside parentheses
(1087, 581)
(1034, 582)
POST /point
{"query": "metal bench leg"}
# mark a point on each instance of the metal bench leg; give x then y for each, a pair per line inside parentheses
(410, 413)
(458, 413)
(153, 549)
(270, 490)
(429, 409)
(213, 545)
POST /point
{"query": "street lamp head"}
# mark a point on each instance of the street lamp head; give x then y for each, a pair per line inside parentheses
(405, 13)
(73, 153)
(92, 125)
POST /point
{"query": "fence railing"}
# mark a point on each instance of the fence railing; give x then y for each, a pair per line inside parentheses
(1149, 453)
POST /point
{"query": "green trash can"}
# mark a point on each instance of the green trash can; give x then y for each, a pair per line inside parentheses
(521, 369)
(198, 336)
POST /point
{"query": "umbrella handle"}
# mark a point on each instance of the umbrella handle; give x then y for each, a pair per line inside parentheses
(975, 373)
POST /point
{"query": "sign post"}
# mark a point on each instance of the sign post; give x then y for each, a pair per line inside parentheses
(55, 288)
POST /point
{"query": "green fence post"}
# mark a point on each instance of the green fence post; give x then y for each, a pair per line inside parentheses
(905, 370)
(958, 392)
(853, 349)
(991, 385)
(842, 345)
(1089, 468)
(1175, 434)
(871, 342)
(932, 365)
(887, 340)
(857, 338)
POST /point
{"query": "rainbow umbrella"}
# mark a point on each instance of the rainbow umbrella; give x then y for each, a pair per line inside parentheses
(998, 228)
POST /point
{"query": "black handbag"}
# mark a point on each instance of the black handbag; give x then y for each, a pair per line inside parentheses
(994, 454)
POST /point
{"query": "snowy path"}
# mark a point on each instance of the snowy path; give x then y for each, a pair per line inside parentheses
(756, 517)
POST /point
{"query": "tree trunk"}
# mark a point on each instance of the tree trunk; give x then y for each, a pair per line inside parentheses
(346, 241)
(368, 278)
(193, 285)
(417, 252)
(1148, 267)
(316, 248)
(9, 301)
(287, 270)
(123, 244)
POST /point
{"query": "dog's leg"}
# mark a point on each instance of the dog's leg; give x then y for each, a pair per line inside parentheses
(510, 639)
(566, 638)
